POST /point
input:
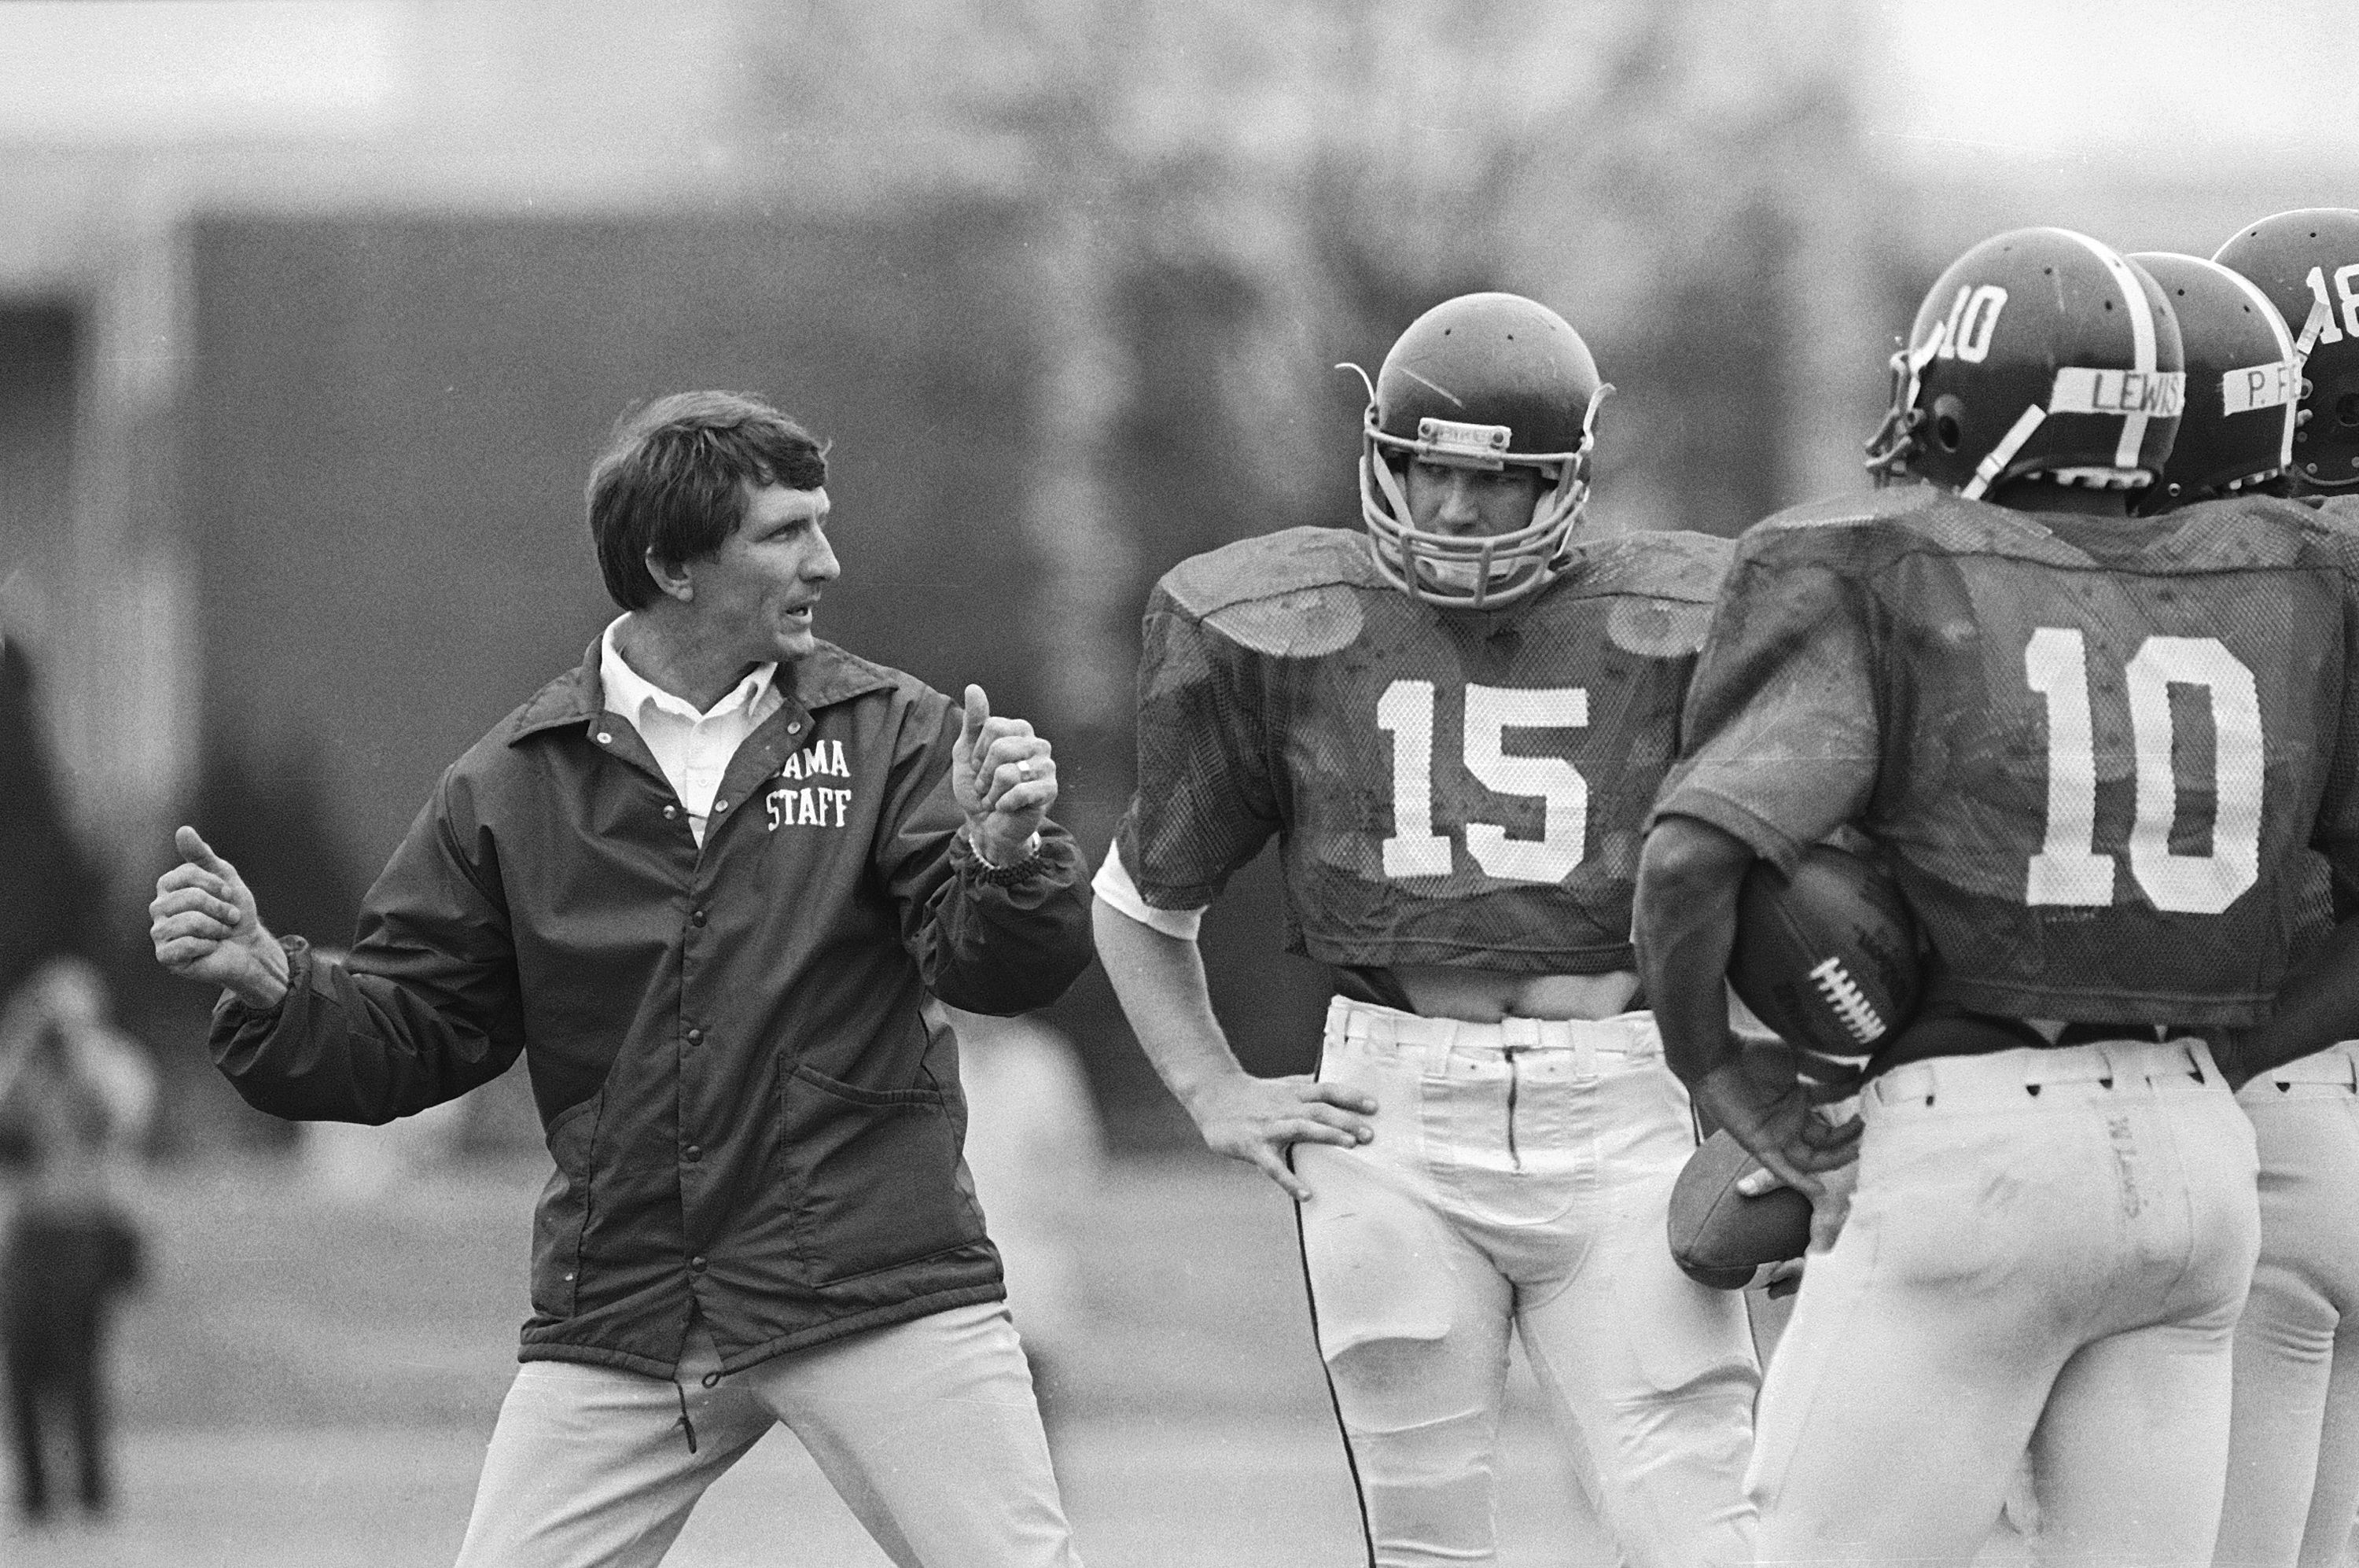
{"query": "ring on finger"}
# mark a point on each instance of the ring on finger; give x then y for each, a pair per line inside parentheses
(1024, 769)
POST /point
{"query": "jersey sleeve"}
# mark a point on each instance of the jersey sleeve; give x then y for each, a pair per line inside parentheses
(1781, 732)
(1205, 801)
(1114, 885)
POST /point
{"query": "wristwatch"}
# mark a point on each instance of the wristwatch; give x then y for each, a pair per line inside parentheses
(1007, 875)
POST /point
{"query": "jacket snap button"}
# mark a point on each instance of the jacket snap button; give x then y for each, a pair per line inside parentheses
(794, 728)
(719, 805)
(695, 1035)
(670, 811)
(696, 1264)
(696, 917)
(605, 737)
(691, 1154)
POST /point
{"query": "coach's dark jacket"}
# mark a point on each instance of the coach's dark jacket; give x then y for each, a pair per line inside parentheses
(743, 1103)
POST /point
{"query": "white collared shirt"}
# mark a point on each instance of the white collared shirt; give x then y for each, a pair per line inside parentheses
(693, 749)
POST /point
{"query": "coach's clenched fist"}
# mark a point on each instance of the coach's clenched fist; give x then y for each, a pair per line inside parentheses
(205, 926)
(1005, 780)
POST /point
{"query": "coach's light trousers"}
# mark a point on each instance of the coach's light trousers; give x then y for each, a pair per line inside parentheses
(1520, 1178)
(2048, 1251)
(926, 1429)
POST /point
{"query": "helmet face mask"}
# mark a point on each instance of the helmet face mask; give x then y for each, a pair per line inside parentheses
(2039, 352)
(1489, 383)
(2307, 263)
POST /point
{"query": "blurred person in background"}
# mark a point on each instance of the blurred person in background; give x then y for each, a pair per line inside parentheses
(702, 884)
(75, 1102)
(1454, 724)
(78, 1097)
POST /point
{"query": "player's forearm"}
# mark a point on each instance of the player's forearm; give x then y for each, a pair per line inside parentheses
(1159, 980)
(1686, 921)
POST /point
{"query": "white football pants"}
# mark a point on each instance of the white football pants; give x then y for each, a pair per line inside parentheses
(1520, 1177)
(2047, 1252)
(2293, 1447)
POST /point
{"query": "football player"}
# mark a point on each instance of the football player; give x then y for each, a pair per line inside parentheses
(2097, 750)
(2290, 421)
(1454, 724)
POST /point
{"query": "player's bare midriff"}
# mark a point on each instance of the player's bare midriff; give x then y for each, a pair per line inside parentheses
(1486, 996)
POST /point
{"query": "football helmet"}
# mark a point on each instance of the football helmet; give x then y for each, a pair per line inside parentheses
(2242, 381)
(2039, 352)
(1488, 382)
(2307, 262)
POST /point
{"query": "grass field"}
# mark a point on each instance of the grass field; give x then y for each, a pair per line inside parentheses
(309, 1381)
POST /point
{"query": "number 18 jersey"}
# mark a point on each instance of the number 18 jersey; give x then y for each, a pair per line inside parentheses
(2099, 752)
(1448, 786)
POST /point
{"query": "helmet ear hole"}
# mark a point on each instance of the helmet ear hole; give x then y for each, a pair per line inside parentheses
(1949, 421)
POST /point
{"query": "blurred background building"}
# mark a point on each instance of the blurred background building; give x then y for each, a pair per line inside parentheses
(313, 312)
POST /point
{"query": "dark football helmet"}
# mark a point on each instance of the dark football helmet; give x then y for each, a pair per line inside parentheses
(1483, 381)
(2039, 352)
(2241, 382)
(2307, 262)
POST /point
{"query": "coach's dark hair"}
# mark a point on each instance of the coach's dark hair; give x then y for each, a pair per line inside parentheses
(672, 481)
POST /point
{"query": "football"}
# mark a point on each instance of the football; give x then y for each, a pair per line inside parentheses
(1721, 1237)
(1827, 959)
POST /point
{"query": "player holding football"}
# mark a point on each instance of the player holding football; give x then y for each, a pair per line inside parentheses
(2097, 750)
(2293, 1451)
(1455, 726)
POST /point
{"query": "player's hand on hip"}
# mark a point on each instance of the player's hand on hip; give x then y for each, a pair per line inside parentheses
(1776, 1123)
(204, 926)
(1004, 778)
(1257, 1119)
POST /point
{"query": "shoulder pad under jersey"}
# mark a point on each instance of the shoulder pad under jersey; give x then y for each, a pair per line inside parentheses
(2235, 531)
(1865, 529)
(1659, 565)
(1662, 586)
(1295, 594)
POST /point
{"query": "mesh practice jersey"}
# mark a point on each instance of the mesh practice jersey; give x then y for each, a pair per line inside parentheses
(2099, 753)
(1448, 786)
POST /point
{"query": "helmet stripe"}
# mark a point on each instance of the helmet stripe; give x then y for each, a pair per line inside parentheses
(2285, 349)
(2142, 339)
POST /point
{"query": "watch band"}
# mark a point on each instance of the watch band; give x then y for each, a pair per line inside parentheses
(1024, 870)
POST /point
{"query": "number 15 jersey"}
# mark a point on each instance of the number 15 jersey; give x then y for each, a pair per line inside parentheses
(2099, 752)
(1448, 788)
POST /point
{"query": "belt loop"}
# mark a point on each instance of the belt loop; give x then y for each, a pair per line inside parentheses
(1441, 1034)
(1584, 1052)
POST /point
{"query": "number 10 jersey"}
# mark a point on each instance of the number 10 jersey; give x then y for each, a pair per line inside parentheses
(2103, 755)
(1448, 786)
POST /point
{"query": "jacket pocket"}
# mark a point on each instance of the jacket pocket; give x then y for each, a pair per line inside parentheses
(874, 1175)
(564, 1210)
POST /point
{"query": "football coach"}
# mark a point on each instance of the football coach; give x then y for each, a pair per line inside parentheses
(702, 884)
